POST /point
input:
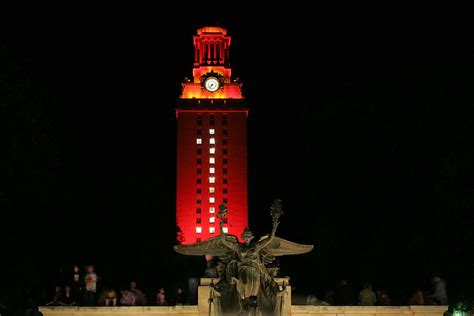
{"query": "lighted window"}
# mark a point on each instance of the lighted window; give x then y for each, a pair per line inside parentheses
(212, 170)
(212, 131)
(199, 141)
(212, 160)
(198, 229)
(212, 141)
(212, 179)
(212, 150)
(212, 210)
(212, 190)
(212, 230)
(212, 219)
(212, 199)
(225, 230)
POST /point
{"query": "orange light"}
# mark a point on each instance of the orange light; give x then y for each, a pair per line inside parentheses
(212, 29)
(196, 91)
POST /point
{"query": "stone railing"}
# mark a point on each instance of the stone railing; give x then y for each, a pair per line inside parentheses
(296, 310)
(119, 311)
(300, 310)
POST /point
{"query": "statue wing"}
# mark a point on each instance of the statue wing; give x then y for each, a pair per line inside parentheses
(213, 247)
(283, 247)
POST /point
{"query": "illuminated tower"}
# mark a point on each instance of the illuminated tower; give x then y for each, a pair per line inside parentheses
(212, 143)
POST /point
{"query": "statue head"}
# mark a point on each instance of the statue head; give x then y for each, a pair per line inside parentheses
(247, 235)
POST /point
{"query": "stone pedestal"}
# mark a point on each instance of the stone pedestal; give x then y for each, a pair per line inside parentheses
(204, 293)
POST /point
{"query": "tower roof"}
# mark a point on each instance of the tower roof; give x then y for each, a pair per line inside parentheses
(212, 30)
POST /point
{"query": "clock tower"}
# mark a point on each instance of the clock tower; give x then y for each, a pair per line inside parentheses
(211, 143)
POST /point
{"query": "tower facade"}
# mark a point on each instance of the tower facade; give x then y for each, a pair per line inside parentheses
(211, 143)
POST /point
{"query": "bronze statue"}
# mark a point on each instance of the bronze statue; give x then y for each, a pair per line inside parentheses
(248, 286)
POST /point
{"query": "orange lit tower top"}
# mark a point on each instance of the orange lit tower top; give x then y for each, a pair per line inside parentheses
(211, 61)
(211, 143)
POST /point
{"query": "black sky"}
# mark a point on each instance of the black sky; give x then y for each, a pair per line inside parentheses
(361, 121)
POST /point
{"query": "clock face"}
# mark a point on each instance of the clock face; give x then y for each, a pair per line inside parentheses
(212, 84)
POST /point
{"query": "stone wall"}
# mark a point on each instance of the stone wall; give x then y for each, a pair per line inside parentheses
(303, 310)
(119, 311)
(295, 310)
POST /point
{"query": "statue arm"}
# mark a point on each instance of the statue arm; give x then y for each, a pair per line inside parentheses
(267, 241)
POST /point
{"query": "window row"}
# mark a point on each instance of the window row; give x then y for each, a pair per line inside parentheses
(212, 230)
(212, 150)
(212, 120)
(212, 190)
(212, 170)
(212, 131)
(212, 210)
(212, 160)
(212, 180)
(212, 220)
(212, 200)
(212, 141)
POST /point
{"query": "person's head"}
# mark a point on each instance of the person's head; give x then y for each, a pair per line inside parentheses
(133, 285)
(247, 235)
(76, 269)
(57, 288)
(67, 289)
(162, 291)
(180, 290)
(436, 279)
(90, 268)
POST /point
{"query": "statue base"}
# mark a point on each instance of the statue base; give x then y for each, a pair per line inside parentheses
(204, 293)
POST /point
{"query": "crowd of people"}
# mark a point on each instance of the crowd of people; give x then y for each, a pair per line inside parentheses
(345, 295)
(82, 290)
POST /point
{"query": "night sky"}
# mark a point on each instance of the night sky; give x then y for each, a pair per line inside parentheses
(361, 122)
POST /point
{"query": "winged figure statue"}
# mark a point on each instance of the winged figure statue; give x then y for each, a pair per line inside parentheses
(250, 267)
